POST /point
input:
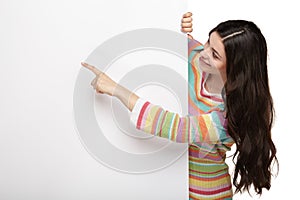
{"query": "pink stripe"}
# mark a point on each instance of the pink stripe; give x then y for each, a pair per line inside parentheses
(228, 188)
(140, 118)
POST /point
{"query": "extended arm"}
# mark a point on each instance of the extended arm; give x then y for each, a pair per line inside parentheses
(105, 85)
(153, 119)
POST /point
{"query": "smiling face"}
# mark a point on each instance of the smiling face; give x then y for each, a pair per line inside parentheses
(213, 58)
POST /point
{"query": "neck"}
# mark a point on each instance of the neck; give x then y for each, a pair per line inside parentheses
(214, 83)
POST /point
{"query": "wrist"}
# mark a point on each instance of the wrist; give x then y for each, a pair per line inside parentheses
(127, 97)
(115, 90)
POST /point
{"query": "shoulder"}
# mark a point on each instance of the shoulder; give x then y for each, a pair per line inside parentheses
(194, 45)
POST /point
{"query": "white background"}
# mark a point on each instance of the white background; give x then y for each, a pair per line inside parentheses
(41, 46)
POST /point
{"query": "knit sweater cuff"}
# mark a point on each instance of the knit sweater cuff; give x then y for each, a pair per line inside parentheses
(134, 115)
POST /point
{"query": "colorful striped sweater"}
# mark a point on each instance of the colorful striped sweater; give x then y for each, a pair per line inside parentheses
(204, 129)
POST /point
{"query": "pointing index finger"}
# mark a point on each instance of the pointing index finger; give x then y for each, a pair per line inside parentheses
(92, 68)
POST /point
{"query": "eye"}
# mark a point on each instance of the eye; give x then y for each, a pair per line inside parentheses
(215, 55)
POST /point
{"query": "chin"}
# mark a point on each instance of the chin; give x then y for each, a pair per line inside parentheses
(208, 70)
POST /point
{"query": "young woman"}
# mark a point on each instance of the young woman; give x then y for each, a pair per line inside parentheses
(229, 102)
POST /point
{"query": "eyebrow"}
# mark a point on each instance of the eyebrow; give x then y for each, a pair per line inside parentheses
(214, 49)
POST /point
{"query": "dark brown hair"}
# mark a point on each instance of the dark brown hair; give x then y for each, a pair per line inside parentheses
(249, 104)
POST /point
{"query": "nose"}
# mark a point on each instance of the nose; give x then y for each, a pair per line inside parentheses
(204, 53)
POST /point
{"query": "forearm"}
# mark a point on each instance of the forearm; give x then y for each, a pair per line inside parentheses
(153, 119)
(127, 97)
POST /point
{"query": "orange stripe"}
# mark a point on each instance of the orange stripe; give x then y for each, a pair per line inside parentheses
(154, 125)
(202, 127)
(196, 77)
(208, 158)
(191, 103)
(196, 87)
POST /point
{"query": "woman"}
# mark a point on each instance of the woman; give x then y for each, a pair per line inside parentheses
(229, 102)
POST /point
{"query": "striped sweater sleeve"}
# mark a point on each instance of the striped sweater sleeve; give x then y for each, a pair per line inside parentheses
(153, 119)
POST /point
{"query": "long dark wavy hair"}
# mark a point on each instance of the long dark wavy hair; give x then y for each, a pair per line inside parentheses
(248, 103)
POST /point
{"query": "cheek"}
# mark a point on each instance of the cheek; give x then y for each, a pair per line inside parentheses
(206, 45)
(220, 65)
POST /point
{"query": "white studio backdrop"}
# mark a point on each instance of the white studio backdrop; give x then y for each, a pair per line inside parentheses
(41, 45)
(60, 140)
